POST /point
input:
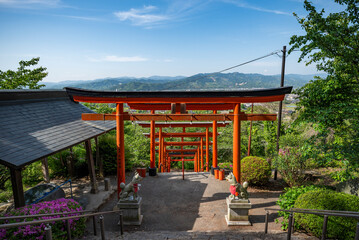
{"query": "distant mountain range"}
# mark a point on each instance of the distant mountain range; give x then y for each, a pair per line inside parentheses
(197, 82)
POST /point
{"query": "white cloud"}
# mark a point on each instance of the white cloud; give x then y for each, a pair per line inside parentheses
(143, 16)
(113, 58)
(150, 16)
(81, 18)
(243, 4)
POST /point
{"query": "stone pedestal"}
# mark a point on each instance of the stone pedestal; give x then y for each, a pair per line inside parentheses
(131, 211)
(238, 212)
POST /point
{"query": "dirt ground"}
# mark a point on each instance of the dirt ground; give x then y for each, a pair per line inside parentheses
(193, 206)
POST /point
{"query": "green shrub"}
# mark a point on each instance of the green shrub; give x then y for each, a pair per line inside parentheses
(5, 195)
(255, 170)
(291, 165)
(77, 225)
(32, 174)
(108, 153)
(287, 200)
(338, 227)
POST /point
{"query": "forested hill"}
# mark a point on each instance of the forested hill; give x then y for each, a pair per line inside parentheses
(199, 81)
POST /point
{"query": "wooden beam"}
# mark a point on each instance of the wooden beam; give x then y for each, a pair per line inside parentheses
(194, 150)
(17, 189)
(189, 106)
(177, 135)
(182, 143)
(182, 124)
(179, 117)
(232, 99)
(183, 155)
(180, 160)
(91, 166)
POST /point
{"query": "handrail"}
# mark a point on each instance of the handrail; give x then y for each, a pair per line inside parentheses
(42, 215)
(315, 212)
(48, 230)
(323, 210)
(48, 193)
(325, 214)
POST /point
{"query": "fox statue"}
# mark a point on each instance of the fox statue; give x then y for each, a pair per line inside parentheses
(129, 191)
(237, 190)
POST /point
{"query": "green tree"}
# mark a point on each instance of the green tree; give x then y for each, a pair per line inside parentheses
(23, 77)
(331, 104)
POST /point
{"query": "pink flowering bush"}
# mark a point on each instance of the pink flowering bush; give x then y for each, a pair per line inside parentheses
(292, 165)
(225, 165)
(77, 225)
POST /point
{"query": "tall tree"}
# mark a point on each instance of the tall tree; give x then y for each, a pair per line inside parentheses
(332, 103)
(23, 77)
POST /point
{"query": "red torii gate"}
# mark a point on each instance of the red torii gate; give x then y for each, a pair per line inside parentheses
(178, 101)
(162, 150)
(184, 125)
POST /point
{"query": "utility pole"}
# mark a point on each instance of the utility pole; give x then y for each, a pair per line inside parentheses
(280, 103)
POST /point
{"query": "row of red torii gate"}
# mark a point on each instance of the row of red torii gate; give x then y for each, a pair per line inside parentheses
(179, 103)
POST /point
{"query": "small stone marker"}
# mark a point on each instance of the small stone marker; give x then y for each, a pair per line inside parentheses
(107, 184)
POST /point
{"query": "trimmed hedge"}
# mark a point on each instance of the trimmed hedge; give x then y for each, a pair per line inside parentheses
(77, 225)
(287, 201)
(255, 170)
(338, 227)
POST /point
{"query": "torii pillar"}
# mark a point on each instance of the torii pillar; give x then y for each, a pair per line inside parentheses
(120, 142)
(152, 171)
(207, 149)
(237, 143)
(214, 145)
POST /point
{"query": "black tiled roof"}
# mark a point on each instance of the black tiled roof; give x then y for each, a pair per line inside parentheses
(38, 123)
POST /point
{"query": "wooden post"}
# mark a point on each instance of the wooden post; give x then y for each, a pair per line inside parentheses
(169, 164)
(153, 145)
(120, 147)
(207, 149)
(280, 104)
(201, 154)
(195, 163)
(71, 164)
(250, 135)
(198, 160)
(160, 150)
(237, 143)
(99, 162)
(91, 166)
(45, 170)
(16, 184)
(214, 145)
(165, 162)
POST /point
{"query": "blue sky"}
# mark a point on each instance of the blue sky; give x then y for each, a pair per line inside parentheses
(90, 39)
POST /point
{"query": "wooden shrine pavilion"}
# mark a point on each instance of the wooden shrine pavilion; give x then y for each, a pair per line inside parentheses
(35, 124)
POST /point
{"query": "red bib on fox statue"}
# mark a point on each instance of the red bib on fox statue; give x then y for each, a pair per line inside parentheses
(135, 187)
(233, 189)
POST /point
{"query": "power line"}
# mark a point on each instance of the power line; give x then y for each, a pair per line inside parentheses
(238, 65)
